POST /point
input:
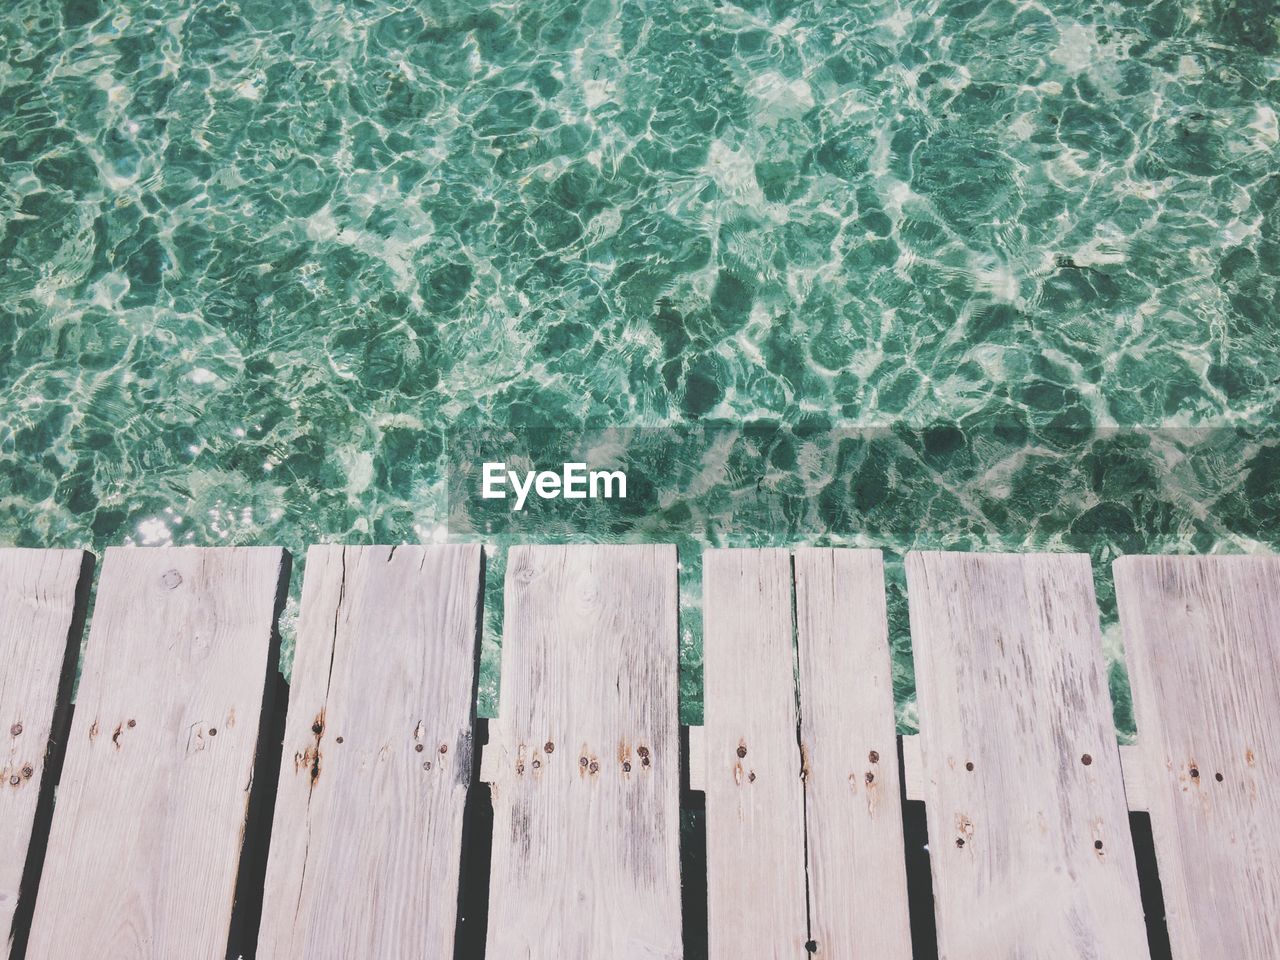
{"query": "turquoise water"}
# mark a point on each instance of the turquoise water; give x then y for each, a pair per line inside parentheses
(261, 261)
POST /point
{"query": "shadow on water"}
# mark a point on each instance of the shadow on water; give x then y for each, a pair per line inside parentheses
(477, 851)
(693, 860)
(246, 909)
(915, 835)
(1149, 886)
(477, 821)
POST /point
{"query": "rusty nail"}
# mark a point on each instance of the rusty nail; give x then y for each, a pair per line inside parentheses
(1218, 777)
(751, 777)
(969, 766)
(595, 767)
(15, 730)
(742, 751)
(874, 757)
(1086, 759)
(338, 740)
(132, 724)
(317, 728)
(870, 777)
(213, 731)
(444, 748)
(959, 841)
(537, 763)
(626, 766)
(14, 780)
(548, 747)
(419, 748)
(1097, 844)
(644, 761)
(27, 771)
(643, 751)
(427, 765)
(1195, 773)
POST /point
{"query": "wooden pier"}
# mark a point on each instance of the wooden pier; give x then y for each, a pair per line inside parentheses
(187, 806)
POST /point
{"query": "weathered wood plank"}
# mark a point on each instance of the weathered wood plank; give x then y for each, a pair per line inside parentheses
(1029, 834)
(147, 832)
(853, 810)
(42, 600)
(1135, 784)
(697, 759)
(1202, 638)
(367, 840)
(754, 794)
(1135, 777)
(586, 786)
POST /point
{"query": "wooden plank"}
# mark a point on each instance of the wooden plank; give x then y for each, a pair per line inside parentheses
(912, 768)
(586, 859)
(1202, 637)
(1029, 834)
(1135, 785)
(853, 810)
(367, 841)
(1135, 778)
(147, 832)
(754, 795)
(697, 759)
(42, 601)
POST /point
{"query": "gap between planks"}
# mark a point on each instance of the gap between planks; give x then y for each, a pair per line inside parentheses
(1135, 789)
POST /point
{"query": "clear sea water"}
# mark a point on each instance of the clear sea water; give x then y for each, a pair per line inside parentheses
(952, 274)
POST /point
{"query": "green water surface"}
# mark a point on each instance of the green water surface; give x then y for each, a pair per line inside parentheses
(260, 261)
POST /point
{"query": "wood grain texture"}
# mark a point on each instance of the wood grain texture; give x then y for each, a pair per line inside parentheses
(42, 596)
(754, 794)
(585, 787)
(1202, 638)
(1030, 845)
(147, 832)
(1131, 766)
(367, 840)
(853, 811)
